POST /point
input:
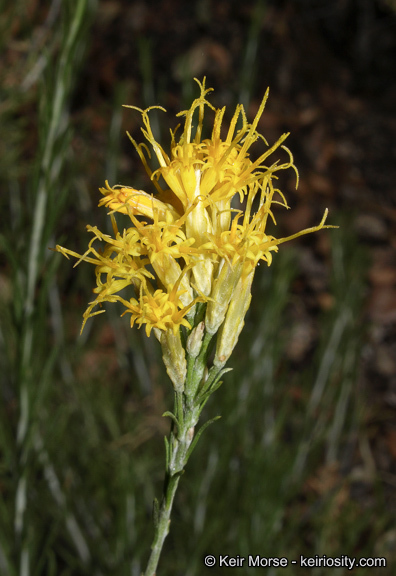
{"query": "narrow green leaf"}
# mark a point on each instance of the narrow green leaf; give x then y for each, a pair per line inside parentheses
(167, 452)
(198, 435)
(204, 397)
(211, 384)
(172, 417)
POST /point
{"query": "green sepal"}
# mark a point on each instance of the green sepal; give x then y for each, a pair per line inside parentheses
(198, 435)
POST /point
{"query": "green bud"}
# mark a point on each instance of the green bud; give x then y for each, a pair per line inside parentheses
(174, 358)
(194, 341)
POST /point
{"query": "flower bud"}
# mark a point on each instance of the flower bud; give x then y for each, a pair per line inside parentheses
(194, 341)
(174, 358)
(234, 321)
(222, 292)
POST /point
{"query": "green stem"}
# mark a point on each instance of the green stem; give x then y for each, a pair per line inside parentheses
(188, 408)
(179, 443)
(163, 525)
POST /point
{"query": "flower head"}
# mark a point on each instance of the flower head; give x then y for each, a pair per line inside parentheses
(185, 242)
(161, 310)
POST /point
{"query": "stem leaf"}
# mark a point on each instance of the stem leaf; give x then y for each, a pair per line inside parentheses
(198, 435)
(203, 398)
(167, 452)
(172, 417)
(212, 383)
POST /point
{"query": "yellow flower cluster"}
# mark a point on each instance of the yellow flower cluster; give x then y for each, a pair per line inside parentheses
(188, 242)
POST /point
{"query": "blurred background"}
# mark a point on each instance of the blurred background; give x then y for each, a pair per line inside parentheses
(303, 460)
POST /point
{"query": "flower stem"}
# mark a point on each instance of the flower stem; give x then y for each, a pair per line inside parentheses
(188, 408)
(179, 443)
(163, 524)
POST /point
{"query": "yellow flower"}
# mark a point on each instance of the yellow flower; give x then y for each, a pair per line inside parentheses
(186, 243)
(161, 310)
